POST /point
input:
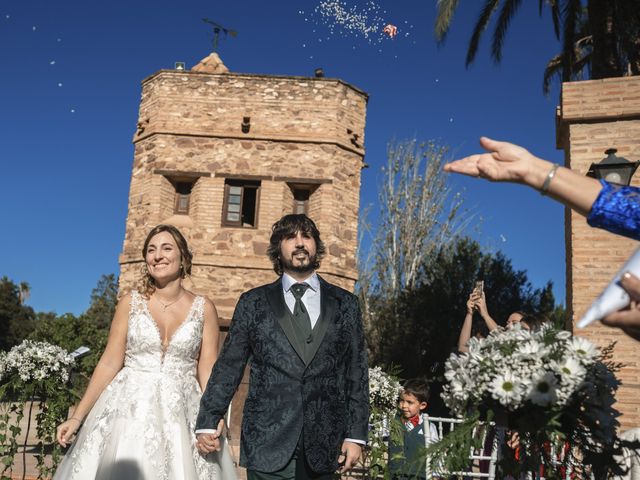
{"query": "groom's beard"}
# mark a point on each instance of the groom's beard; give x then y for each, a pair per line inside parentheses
(289, 265)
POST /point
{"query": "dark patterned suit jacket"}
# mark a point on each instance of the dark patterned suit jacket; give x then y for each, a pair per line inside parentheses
(326, 401)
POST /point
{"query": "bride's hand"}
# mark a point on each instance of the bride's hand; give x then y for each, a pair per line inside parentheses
(66, 431)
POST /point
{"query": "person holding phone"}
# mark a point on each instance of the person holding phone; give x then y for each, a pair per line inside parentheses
(477, 303)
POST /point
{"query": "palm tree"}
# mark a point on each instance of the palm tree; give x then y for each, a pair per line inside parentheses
(601, 37)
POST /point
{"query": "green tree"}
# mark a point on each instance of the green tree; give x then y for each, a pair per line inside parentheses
(16, 319)
(104, 298)
(419, 213)
(421, 330)
(601, 37)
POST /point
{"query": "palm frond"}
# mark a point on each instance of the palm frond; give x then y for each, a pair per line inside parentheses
(555, 17)
(507, 12)
(444, 17)
(572, 14)
(488, 9)
(553, 69)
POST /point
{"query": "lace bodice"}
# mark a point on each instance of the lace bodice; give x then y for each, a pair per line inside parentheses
(144, 345)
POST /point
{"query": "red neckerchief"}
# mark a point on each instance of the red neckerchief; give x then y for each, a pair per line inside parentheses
(415, 420)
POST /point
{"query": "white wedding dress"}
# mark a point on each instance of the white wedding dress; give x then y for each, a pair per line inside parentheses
(142, 426)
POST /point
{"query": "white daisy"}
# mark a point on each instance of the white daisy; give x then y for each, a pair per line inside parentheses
(543, 389)
(507, 389)
(571, 369)
(583, 349)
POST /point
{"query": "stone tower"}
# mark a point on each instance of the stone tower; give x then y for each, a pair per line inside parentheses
(223, 155)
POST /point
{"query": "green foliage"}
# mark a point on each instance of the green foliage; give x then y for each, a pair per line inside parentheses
(16, 320)
(420, 329)
(104, 298)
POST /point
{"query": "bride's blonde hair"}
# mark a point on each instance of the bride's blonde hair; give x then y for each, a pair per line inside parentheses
(146, 285)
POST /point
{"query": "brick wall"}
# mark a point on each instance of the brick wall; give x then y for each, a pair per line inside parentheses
(593, 116)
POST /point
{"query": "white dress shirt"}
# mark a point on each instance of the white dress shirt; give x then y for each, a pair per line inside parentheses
(311, 297)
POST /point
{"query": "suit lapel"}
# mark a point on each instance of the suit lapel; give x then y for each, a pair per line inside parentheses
(279, 309)
(328, 304)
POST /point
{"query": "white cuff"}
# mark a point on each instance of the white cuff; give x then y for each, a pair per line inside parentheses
(206, 430)
(353, 440)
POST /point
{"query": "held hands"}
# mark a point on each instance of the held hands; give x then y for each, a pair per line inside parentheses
(210, 442)
(504, 162)
(628, 320)
(66, 430)
(350, 454)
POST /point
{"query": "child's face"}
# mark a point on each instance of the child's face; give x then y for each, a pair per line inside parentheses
(410, 406)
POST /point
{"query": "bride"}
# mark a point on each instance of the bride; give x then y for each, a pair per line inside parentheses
(139, 410)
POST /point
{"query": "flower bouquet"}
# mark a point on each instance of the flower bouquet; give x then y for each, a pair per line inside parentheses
(30, 372)
(551, 393)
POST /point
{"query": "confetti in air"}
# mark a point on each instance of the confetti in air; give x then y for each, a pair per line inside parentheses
(59, 84)
(366, 20)
(390, 30)
(33, 28)
(503, 238)
(52, 62)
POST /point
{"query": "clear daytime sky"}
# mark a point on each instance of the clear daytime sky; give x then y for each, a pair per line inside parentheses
(70, 86)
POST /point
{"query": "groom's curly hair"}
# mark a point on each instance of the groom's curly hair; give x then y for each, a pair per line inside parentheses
(290, 225)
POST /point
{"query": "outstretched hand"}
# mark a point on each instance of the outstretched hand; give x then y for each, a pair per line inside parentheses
(628, 320)
(503, 162)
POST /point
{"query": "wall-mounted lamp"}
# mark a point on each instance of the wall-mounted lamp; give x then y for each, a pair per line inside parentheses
(319, 72)
(613, 169)
(246, 124)
(180, 66)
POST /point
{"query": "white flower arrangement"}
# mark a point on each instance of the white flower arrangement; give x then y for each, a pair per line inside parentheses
(35, 361)
(516, 367)
(384, 390)
(547, 387)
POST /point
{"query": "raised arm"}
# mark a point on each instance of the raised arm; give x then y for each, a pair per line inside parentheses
(465, 332)
(108, 366)
(484, 313)
(506, 162)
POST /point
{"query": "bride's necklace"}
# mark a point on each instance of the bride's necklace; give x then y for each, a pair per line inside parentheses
(167, 305)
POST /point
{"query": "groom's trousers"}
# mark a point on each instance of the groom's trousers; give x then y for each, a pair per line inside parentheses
(296, 469)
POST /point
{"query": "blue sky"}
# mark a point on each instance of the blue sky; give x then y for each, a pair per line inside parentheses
(70, 91)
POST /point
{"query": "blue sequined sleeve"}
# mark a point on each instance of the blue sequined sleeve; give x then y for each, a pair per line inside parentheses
(617, 209)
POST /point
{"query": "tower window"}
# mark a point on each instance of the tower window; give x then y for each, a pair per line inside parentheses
(240, 207)
(301, 200)
(183, 196)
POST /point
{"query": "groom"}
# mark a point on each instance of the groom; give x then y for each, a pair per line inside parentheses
(306, 413)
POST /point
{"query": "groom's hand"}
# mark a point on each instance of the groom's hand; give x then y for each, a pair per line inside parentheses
(209, 442)
(350, 454)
